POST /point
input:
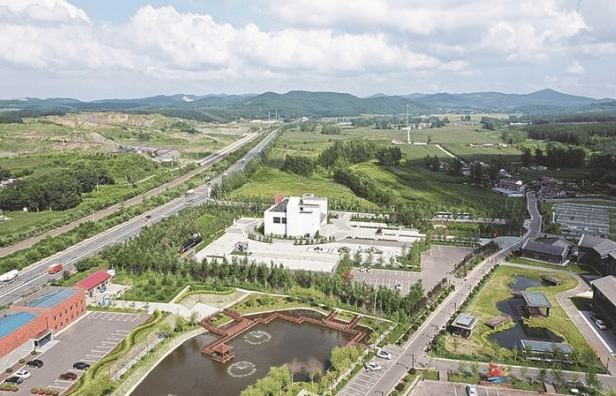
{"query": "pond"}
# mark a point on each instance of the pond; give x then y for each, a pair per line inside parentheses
(510, 338)
(186, 372)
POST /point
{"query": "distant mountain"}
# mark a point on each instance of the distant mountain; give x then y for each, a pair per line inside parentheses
(501, 101)
(296, 104)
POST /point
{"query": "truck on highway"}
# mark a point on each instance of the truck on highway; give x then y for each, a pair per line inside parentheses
(54, 268)
(190, 192)
(9, 276)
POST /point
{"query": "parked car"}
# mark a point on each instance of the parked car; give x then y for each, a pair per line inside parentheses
(371, 366)
(13, 380)
(600, 324)
(81, 366)
(68, 376)
(36, 363)
(23, 374)
(384, 354)
(398, 287)
(471, 391)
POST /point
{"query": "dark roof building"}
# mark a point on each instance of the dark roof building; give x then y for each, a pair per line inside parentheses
(464, 325)
(553, 250)
(604, 297)
(537, 304)
(600, 253)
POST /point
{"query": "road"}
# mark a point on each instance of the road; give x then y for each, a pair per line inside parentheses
(205, 164)
(35, 276)
(415, 348)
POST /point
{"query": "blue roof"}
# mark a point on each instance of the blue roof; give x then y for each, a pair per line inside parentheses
(12, 322)
(536, 299)
(543, 346)
(52, 299)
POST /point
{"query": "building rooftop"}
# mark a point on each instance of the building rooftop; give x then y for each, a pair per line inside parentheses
(465, 321)
(94, 280)
(555, 247)
(14, 321)
(51, 299)
(536, 299)
(607, 287)
(544, 346)
(281, 207)
(601, 245)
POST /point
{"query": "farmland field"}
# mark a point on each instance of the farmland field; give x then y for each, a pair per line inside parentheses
(410, 180)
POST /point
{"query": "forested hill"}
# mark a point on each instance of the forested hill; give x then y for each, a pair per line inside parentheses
(296, 104)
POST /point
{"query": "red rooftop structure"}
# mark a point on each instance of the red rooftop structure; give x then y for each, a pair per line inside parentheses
(89, 284)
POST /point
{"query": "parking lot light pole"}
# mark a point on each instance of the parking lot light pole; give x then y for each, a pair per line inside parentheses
(381, 392)
(403, 365)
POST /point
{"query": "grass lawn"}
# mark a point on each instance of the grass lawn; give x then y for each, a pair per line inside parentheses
(496, 290)
(417, 183)
(571, 266)
(267, 182)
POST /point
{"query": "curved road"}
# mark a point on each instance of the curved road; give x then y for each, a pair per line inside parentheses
(414, 349)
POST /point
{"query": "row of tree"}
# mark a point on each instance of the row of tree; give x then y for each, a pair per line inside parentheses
(56, 189)
(298, 164)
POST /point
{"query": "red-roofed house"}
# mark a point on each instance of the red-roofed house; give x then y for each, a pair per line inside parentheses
(89, 284)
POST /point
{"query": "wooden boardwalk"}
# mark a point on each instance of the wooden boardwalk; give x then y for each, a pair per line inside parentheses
(241, 324)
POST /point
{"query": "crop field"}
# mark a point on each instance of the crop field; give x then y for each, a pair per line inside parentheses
(482, 153)
(410, 180)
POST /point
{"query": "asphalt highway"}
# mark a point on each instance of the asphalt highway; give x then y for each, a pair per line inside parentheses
(35, 276)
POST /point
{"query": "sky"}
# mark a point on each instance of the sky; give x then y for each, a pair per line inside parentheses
(95, 49)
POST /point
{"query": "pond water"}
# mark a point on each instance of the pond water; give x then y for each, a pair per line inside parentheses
(186, 372)
(523, 283)
(510, 338)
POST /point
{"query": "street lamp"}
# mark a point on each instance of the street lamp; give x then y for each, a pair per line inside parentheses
(403, 365)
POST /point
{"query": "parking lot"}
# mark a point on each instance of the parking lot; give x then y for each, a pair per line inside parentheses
(436, 264)
(365, 380)
(88, 340)
(435, 388)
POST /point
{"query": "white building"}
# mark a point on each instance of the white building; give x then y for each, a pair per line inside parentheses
(296, 217)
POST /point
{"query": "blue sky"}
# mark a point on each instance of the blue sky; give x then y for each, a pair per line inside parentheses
(89, 49)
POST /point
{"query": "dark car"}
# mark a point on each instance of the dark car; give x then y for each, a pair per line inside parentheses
(35, 363)
(81, 366)
(13, 380)
(68, 376)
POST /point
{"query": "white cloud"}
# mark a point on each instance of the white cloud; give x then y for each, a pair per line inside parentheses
(42, 10)
(324, 41)
(575, 68)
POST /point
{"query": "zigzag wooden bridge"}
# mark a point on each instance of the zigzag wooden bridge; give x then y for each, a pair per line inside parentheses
(221, 352)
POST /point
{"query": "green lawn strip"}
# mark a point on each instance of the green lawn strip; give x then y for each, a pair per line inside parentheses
(430, 375)
(497, 289)
(203, 289)
(571, 266)
(99, 369)
(141, 369)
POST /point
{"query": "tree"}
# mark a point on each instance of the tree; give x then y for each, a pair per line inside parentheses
(475, 368)
(543, 373)
(523, 371)
(462, 367)
(539, 157)
(593, 380)
(557, 373)
(527, 156)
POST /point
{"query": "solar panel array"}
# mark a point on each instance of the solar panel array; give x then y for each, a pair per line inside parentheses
(580, 218)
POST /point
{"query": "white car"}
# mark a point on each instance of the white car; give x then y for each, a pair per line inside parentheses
(600, 324)
(471, 391)
(371, 366)
(384, 354)
(23, 374)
